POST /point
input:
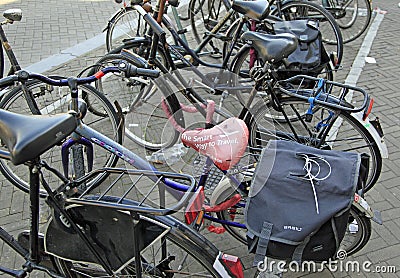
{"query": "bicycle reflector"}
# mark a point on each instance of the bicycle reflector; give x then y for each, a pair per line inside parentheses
(335, 60)
(231, 264)
(195, 205)
(368, 108)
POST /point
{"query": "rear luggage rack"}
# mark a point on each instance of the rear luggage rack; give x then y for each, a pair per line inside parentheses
(147, 192)
(328, 93)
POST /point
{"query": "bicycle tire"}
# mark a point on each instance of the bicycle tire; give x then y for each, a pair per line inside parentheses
(53, 100)
(141, 106)
(1, 61)
(204, 16)
(125, 25)
(343, 132)
(352, 16)
(331, 33)
(180, 241)
(78, 166)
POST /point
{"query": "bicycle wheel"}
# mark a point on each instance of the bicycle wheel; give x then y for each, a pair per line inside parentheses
(352, 16)
(331, 33)
(145, 121)
(204, 16)
(181, 252)
(125, 25)
(51, 100)
(328, 129)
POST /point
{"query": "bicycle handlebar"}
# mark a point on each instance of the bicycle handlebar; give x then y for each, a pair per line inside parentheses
(8, 81)
(129, 70)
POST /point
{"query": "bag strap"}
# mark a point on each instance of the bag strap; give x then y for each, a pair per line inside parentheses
(262, 244)
(298, 252)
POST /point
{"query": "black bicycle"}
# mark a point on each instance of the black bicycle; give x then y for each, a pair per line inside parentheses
(121, 228)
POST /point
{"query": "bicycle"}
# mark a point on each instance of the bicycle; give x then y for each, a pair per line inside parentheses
(225, 204)
(139, 224)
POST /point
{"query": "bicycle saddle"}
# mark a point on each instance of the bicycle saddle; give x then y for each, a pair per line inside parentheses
(27, 137)
(224, 143)
(13, 14)
(271, 48)
(257, 10)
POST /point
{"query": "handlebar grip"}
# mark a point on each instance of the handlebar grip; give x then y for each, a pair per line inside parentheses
(132, 71)
(148, 72)
(154, 25)
(9, 80)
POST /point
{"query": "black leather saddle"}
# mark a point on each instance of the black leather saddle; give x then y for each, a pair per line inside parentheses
(271, 48)
(257, 10)
(27, 137)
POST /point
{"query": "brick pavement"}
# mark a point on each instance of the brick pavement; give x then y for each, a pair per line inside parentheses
(380, 79)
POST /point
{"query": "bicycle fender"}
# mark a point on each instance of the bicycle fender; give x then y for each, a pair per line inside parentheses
(112, 19)
(379, 140)
(361, 204)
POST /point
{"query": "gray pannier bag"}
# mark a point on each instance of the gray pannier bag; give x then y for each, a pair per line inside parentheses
(299, 202)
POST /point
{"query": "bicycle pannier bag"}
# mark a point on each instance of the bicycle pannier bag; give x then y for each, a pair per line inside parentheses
(299, 201)
(310, 57)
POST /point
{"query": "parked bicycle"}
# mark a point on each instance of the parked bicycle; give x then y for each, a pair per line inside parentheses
(156, 56)
(77, 241)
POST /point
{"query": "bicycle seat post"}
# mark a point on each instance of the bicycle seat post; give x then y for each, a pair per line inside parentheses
(34, 207)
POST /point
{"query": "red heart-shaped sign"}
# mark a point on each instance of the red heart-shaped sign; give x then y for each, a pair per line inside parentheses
(224, 143)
